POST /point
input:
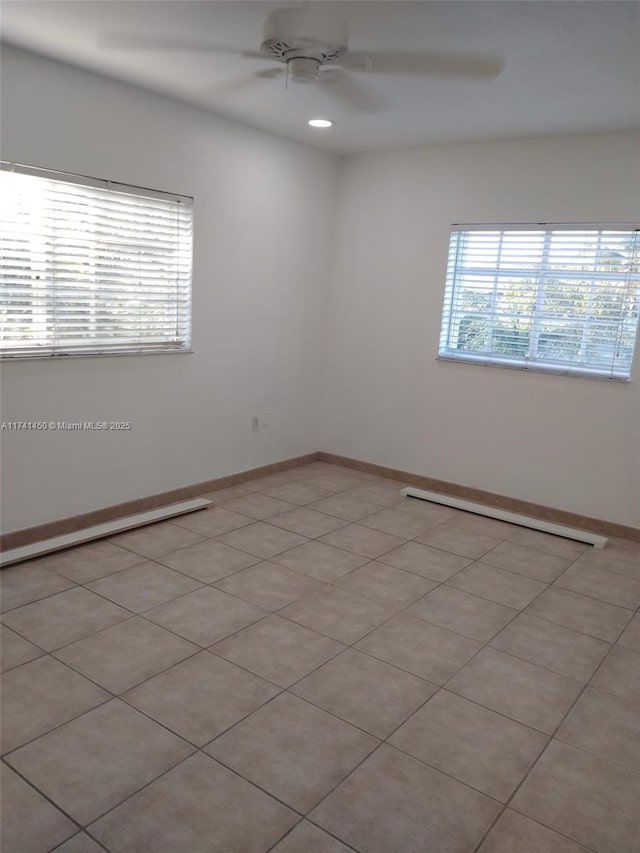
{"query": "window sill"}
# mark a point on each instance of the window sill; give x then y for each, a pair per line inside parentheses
(533, 368)
(7, 359)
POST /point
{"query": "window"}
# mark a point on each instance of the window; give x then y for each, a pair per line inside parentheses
(562, 298)
(89, 267)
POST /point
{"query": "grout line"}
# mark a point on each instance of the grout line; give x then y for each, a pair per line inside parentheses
(577, 630)
(551, 740)
(44, 651)
(78, 835)
(86, 827)
(35, 600)
(328, 832)
(47, 798)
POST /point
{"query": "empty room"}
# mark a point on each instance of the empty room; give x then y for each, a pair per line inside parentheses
(320, 426)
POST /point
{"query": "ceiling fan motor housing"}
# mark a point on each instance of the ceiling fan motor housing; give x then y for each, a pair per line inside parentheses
(304, 40)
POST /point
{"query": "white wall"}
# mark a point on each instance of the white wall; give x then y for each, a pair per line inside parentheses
(262, 261)
(565, 442)
(259, 311)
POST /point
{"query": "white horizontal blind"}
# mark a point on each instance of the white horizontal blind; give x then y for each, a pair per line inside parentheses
(564, 298)
(88, 267)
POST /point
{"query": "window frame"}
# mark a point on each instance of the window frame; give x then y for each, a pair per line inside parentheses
(95, 347)
(494, 359)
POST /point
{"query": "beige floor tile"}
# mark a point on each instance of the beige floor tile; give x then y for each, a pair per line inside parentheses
(388, 586)
(419, 647)
(154, 540)
(549, 543)
(337, 614)
(527, 693)
(92, 763)
(362, 540)
(588, 799)
(344, 506)
(201, 697)
(205, 615)
(307, 838)
(257, 506)
(272, 481)
(323, 562)
(602, 584)
(293, 750)
(497, 585)
(365, 691)
(278, 650)
(620, 674)
(125, 654)
(296, 492)
(630, 638)
(606, 726)
(462, 612)
(208, 561)
(380, 492)
(80, 843)
(455, 540)
(145, 586)
(481, 745)
(86, 563)
(28, 582)
(199, 807)
(213, 522)
(625, 545)
(515, 833)
(527, 561)
(307, 522)
(406, 525)
(64, 617)
(393, 802)
(268, 585)
(41, 695)
(30, 824)
(473, 744)
(15, 650)
(565, 651)
(588, 615)
(617, 558)
(422, 560)
(263, 540)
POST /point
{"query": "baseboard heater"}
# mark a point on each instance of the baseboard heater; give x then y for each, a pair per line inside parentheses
(99, 531)
(512, 517)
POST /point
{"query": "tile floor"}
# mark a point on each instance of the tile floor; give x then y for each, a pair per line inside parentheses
(318, 665)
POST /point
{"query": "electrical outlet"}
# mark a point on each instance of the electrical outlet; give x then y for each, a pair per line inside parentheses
(265, 420)
(255, 423)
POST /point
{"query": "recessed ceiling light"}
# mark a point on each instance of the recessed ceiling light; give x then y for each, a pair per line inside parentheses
(320, 122)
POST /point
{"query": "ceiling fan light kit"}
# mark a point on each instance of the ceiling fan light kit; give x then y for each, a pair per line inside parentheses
(302, 69)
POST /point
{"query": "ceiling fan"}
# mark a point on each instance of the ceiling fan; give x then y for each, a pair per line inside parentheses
(310, 46)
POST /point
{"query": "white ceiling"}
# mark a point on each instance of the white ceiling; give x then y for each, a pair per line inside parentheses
(570, 66)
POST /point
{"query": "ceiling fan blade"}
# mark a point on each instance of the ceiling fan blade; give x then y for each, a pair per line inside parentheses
(270, 73)
(124, 41)
(231, 87)
(350, 92)
(437, 64)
